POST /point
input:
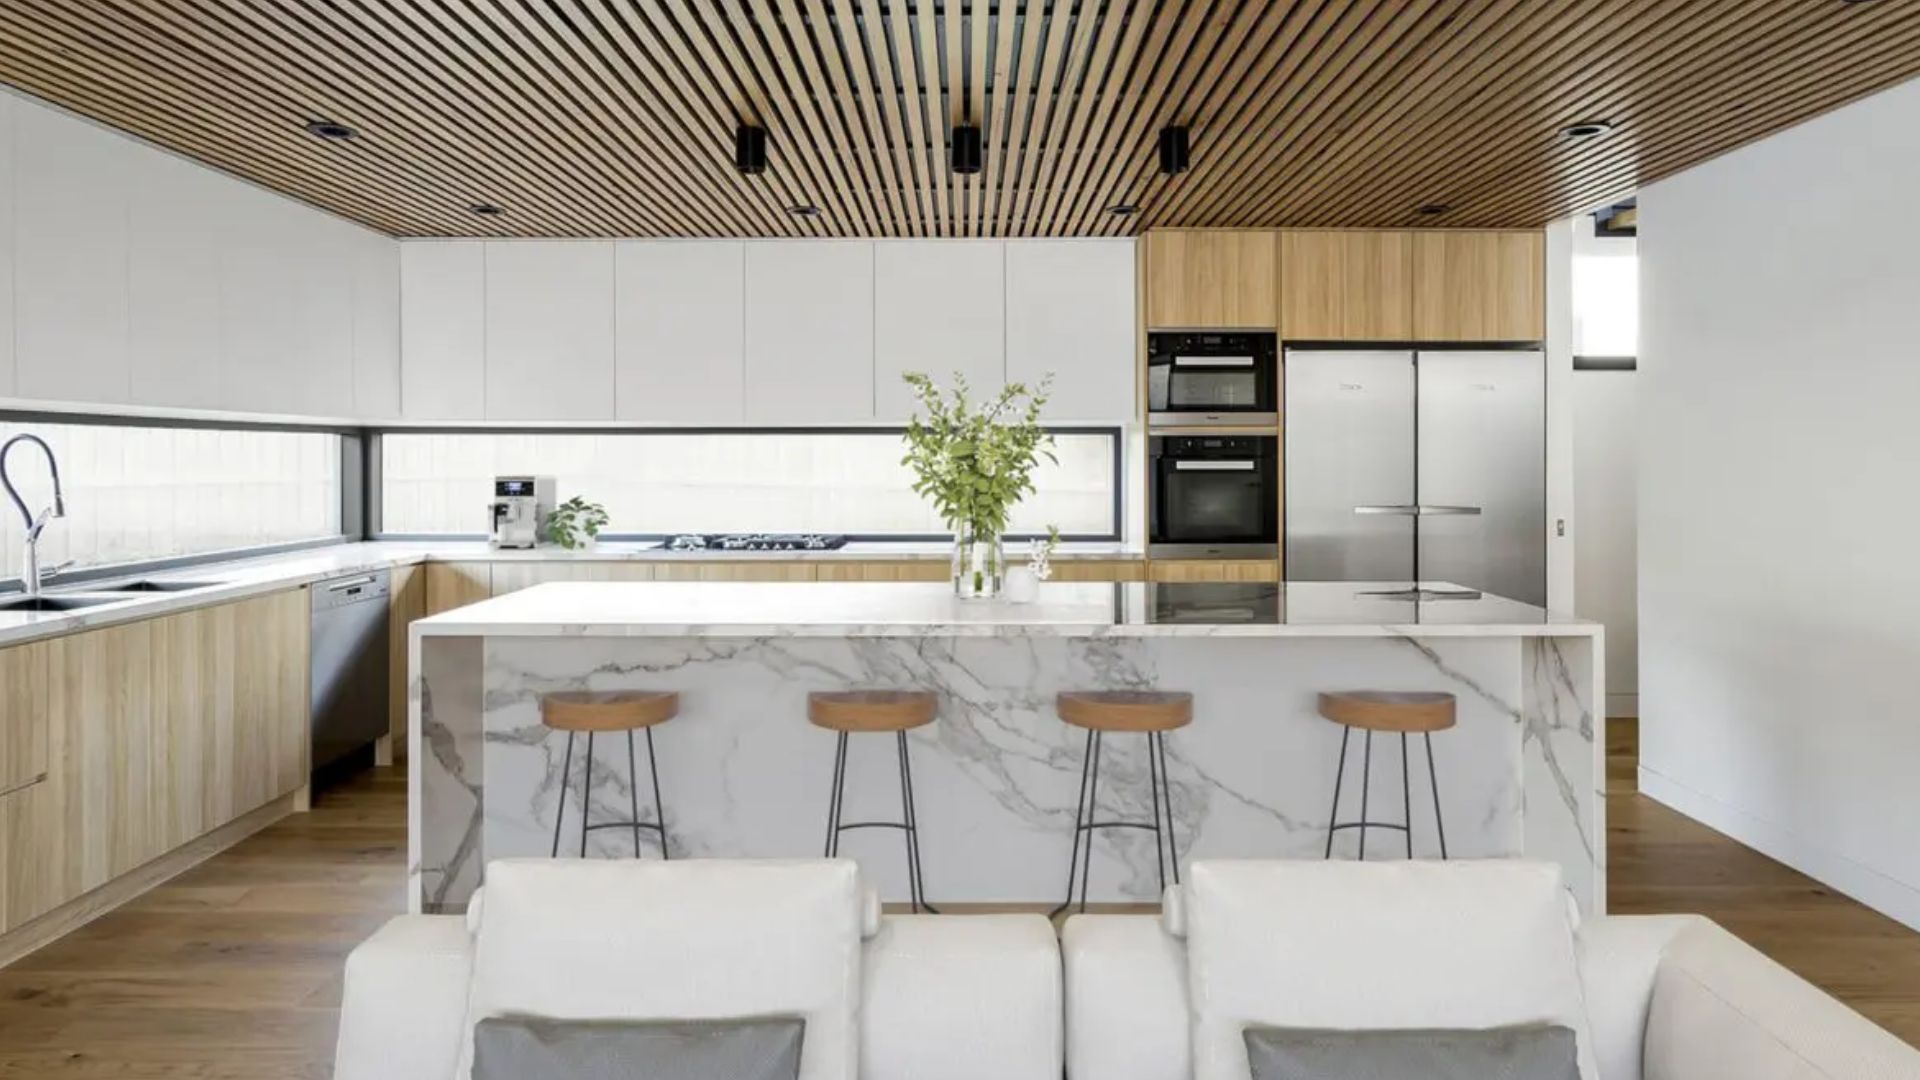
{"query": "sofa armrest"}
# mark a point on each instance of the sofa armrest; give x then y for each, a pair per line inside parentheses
(1723, 1011)
(1127, 1016)
(1619, 955)
(405, 1001)
(959, 997)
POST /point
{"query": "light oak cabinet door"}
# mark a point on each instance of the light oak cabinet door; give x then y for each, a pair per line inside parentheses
(1230, 570)
(1071, 313)
(511, 577)
(678, 335)
(549, 330)
(1208, 279)
(939, 308)
(1479, 286)
(1346, 286)
(443, 336)
(24, 703)
(455, 585)
(809, 331)
(1099, 570)
(406, 602)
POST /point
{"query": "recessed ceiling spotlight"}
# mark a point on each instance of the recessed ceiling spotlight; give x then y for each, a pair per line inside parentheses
(328, 129)
(804, 210)
(1586, 129)
(1433, 208)
(486, 209)
(1175, 151)
(1123, 209)
(965, 156)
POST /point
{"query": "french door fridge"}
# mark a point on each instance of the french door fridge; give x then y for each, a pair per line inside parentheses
(1418, 465)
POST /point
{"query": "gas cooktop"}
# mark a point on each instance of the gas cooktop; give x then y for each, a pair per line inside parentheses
(755, 542)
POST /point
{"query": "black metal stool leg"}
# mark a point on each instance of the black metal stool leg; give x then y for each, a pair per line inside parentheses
(1093, 805)
(1339, 775)
(1079, 821)
(917, 883)
(1153, 796)
(1166, 796)
(560, 807)
(834, 796)
(1366, 783)
(659, 804)
(586, 799)
(633, 795)
(1433, 781)
(1406, 794)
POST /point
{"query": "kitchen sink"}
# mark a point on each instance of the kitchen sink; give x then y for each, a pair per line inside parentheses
(147, 585)
(57, 603)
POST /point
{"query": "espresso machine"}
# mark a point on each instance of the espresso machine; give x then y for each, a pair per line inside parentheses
(519, 511)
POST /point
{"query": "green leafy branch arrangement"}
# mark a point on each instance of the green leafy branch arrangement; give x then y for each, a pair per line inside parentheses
(976, 463)
(576, 522)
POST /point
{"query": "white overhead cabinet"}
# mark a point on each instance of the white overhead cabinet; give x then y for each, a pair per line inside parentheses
(679, 338)
(6, 245)
(173, 282)
(1070, 311)
(376, 327)
(809, 332)
(71, 184)
(549, 332)
(939, 309)
(443, 303)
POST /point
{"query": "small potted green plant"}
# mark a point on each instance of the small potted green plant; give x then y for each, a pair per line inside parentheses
(576, 523)
(976, 463)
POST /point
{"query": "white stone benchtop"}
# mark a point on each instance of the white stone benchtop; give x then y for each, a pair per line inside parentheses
(1062, 609)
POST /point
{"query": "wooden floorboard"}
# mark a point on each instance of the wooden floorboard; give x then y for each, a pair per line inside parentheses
(232, 970)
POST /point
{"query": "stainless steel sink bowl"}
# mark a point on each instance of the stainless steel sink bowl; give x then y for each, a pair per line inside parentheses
(57, 603)
(150, 585)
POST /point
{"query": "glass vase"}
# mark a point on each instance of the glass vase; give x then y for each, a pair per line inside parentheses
(979, 565)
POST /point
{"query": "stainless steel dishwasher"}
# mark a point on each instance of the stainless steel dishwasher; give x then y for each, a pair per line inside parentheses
(347, 685)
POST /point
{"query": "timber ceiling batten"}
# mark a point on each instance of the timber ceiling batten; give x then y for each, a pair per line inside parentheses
(617, 117)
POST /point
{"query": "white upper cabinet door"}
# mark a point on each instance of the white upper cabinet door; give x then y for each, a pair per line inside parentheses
(376, 326)
(939, 307)
(173, 285)
(809, 336)
(6, 244)
(443, 301)
(1070, 311)
(550, 330)
(679, 333)
(72, 182)
(259, 304)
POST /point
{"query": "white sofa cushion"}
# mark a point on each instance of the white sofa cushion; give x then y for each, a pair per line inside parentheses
(1370, 946)
(684, 940)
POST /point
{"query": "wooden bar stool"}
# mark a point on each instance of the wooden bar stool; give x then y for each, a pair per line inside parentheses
(1152, 713)
(610, 711)
(849, 712)
(1391, 712)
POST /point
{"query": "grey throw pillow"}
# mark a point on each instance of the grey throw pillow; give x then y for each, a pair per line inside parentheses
(1533, 1052)
(533, 1048)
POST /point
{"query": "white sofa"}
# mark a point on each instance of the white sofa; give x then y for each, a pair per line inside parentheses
(884, 998)
(1377, 945)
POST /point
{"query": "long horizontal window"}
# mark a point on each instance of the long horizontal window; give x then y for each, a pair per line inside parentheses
(658, 483)
(137, 492)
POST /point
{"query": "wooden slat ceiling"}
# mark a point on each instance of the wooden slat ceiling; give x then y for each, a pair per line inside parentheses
(616, 117)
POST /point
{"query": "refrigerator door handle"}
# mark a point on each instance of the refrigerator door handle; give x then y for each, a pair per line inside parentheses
(1443, 511)
(1400, 510)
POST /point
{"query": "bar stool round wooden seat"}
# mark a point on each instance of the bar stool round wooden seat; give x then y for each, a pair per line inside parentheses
(1152, 713)
(604, 712)
(1389, 712)
(865, 712)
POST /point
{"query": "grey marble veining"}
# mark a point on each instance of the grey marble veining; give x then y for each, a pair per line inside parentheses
(743, 773)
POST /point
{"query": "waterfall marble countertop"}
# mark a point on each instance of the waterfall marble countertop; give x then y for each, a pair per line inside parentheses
(1064, 609)
(240, 578)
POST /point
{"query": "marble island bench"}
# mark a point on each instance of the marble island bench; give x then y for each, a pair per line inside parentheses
(743, 773)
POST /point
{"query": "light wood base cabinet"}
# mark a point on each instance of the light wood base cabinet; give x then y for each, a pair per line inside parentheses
(158, 732)
(1223, 570)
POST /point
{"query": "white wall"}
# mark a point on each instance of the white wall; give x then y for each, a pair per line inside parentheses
(134, 280)
(1605, 573)
(1780, 456)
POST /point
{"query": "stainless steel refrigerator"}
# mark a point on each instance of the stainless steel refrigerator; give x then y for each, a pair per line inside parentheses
(1418, 465)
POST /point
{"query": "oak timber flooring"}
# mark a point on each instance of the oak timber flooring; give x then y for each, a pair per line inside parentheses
(232, 970)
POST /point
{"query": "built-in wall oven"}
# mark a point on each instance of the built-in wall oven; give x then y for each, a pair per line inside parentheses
(1214, 496)
(1212, 378)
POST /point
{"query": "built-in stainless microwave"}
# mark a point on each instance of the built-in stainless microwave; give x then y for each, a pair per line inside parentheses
(1212, 378)
(1214, 496)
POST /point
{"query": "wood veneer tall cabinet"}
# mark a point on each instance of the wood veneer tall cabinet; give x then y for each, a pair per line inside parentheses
(1211, 278)
(1346, 285)
(1479, 286)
